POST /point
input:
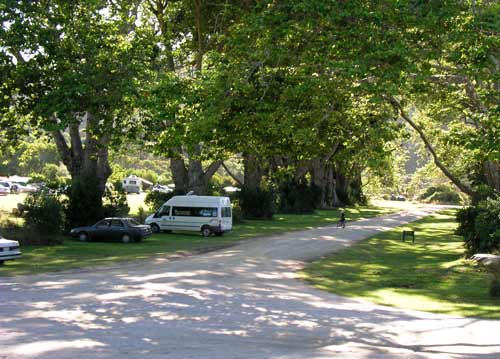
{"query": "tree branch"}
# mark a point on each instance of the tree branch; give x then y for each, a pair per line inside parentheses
(457, 182)
(231, 174)
(211, 169)
(63, 149)
(332, 152)
(199, 55)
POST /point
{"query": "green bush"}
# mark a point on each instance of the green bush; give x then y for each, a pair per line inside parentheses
(442, 194)
(495, 283)
(141, 215)
(44, 213)
(480, 226)
(155, 199)
(237, 213)
(257, 203)
(115, 201)
(298, 197)
(84, 206)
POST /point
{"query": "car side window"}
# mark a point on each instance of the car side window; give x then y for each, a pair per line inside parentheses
(116, 223)
(103, 223)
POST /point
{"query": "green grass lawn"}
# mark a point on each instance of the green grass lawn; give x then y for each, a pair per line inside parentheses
(74, 254)
(430, 275)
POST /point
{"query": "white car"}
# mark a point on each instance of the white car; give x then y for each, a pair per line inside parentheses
(4, 187)
(9, 250)
(25, 188)
(160, 188)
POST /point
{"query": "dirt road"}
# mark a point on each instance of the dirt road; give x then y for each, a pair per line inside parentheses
(242, 302)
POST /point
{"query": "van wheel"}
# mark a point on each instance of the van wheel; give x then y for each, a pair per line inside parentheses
(206, 231)
(155, 228)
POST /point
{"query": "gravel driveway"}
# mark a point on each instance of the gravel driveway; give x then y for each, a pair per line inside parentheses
(242, 302)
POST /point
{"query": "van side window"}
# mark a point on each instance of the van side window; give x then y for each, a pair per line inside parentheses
(205, 212)
(226, 211)
(181, 211)
(194, 211)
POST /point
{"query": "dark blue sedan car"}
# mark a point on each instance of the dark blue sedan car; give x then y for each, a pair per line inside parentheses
(125, 230)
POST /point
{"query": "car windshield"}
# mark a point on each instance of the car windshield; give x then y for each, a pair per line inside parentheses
(133, 222)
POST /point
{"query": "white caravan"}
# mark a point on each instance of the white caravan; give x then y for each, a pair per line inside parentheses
(207, 214)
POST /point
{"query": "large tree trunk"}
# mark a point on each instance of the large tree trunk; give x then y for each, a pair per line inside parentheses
(89, 168)
(179, 174)
(254, 171)
(192, 177)
(492, 174)
(319, 179)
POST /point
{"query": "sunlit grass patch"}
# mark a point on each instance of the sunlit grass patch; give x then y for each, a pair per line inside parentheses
(429, 275)
(75, 254)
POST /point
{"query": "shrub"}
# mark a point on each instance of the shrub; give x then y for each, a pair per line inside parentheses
(480, 226)
(84, 205)
(298, 197)
(495, 282)
(44, 212)
(441, 194)
(237, 213)
(141, 215)
(155, 199)
(115, 201)
(257, 203)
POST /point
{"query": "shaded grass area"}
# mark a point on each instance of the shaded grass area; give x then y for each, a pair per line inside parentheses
(430, 275)
(75, 254)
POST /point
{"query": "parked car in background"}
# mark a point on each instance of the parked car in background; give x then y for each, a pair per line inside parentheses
(4, 190)
(9, 186)
(9, 250)
(125, 230)
(24, 187)
(161, 188)
(205, 214)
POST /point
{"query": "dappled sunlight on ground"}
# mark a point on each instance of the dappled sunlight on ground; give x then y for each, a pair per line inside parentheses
(244, 302)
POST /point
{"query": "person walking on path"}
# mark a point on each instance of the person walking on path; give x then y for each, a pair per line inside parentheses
(341, 223)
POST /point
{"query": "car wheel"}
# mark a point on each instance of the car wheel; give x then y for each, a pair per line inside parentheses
(83, 237)
(155, 228)
(126, 238)
(206, 231)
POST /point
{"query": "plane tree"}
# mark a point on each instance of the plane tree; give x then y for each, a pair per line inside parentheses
(287, 92)
(70, 69)
(186, 31)
(451, 98)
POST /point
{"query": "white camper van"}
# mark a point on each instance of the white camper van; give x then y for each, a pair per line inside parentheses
(207, 214)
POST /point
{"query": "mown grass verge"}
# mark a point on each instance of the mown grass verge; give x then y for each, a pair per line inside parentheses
(430, 275)
(74, 254)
